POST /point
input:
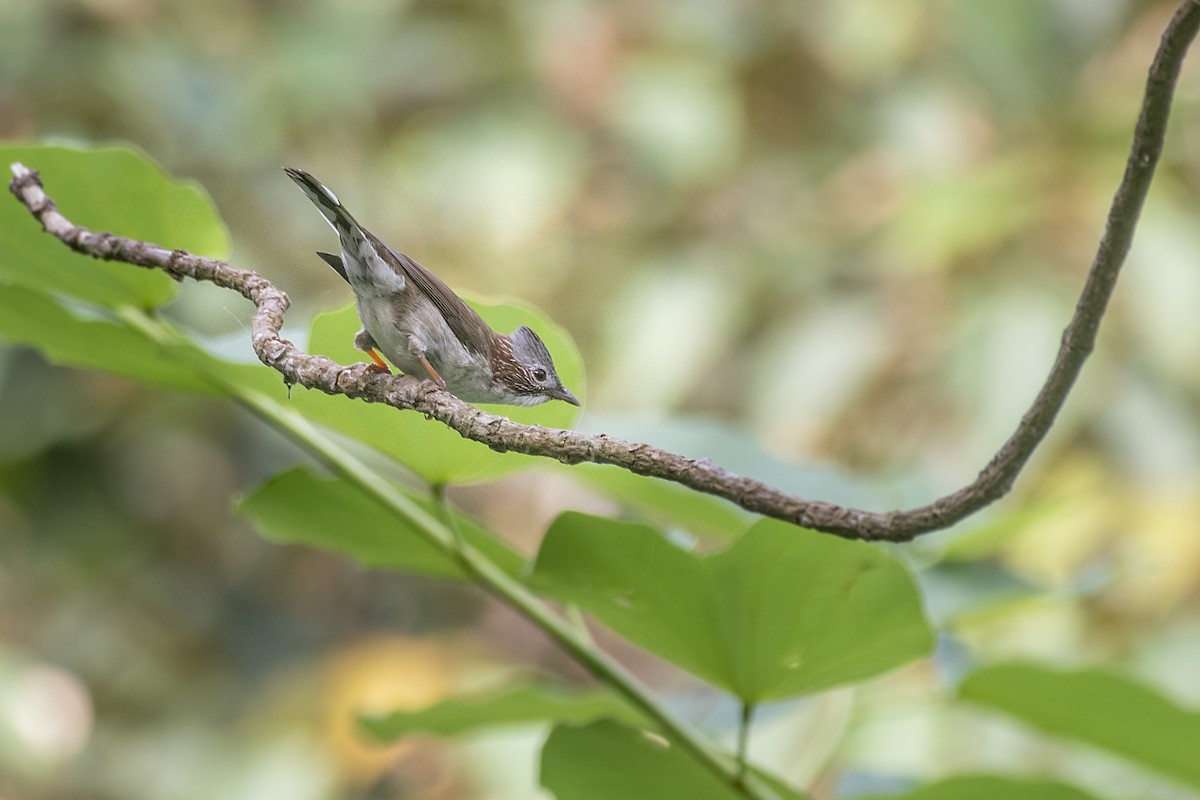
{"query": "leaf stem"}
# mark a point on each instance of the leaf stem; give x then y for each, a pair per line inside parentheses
(451, 520)
(579, 621)
(743, 741)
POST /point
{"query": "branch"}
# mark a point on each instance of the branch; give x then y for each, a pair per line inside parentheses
(570, 447)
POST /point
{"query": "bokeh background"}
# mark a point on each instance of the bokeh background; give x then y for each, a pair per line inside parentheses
(842, 235)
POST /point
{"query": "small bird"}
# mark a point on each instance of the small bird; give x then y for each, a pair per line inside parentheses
(423, 327)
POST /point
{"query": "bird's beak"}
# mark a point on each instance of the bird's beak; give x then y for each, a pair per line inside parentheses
(564, 394)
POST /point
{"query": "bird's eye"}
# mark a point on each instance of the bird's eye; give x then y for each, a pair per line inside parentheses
(539, 374)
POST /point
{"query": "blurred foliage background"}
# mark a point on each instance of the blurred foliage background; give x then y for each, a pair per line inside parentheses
(846, 233)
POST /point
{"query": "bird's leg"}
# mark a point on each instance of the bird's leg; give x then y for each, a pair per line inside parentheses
(418, 353)
(364, 342)
(379, 365)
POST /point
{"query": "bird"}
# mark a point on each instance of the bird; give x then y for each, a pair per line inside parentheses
(423, 327)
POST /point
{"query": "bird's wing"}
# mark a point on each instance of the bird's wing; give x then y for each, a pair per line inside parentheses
(463, 320)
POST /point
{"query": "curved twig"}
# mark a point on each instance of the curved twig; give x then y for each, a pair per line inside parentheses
(570, 447)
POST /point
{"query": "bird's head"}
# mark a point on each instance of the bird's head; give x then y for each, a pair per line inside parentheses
(522, 367)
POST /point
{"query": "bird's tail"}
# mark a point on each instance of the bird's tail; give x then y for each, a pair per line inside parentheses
(327, 203)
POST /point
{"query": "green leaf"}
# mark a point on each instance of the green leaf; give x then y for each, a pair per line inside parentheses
(297, 507)
(118, 190)
(782, 612)
(430, 449)
(607, 760)
(32, 318)
(670, 502)
(988, 787)
(513, 706)
(1114, 713)
(109, 189)
(35, 319)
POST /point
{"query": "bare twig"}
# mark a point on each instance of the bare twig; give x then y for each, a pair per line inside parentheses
(570, 447)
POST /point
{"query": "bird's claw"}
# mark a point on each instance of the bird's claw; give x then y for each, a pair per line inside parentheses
(377, 364)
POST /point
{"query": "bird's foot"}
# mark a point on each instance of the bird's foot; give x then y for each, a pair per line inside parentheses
(433, 373)
(379, 365)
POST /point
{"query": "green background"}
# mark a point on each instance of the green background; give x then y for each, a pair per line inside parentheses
(830, 244)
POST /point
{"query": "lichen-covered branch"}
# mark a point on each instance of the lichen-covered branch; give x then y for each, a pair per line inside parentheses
(570, 447)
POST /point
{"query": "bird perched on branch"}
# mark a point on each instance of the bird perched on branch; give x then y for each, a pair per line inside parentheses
(423, 327)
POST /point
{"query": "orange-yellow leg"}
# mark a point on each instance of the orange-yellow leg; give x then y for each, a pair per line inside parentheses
(432, 372)
(380, 365)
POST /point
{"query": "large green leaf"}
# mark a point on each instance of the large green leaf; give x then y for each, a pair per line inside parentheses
(113, 190)
(297, 507)
(607, 760)
(664, 500)
(782, 612)
(430, 449)
(1121, 716)
(515, 705)
(989, 787)
(32, 318)
(46, 289)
